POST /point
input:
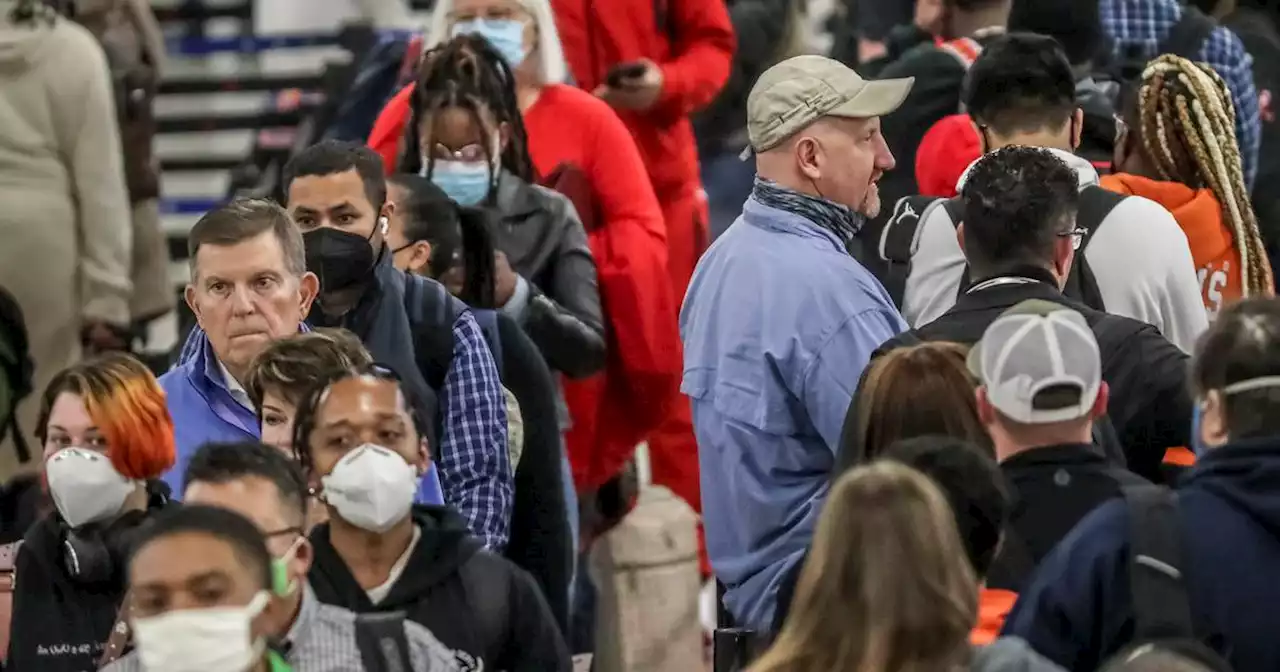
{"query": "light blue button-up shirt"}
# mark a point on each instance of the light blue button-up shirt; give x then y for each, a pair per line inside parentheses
(778, 323)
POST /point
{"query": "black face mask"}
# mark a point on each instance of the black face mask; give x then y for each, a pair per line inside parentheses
(340, 259)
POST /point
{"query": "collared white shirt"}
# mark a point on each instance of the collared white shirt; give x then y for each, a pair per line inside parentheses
(234, 387)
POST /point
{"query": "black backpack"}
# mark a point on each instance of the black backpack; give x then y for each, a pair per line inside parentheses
(898, 242)
(1157, 578)
(432, 310)
(16, 371)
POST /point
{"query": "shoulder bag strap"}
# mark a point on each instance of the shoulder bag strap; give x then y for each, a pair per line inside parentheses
(384, 647)
(118, 640)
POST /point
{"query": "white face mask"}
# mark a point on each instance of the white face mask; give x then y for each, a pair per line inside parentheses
(372, 488)
(201, 640)
(85, 487)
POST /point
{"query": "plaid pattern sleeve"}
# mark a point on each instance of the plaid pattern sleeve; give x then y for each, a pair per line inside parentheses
(1144, 24)
(475, 467)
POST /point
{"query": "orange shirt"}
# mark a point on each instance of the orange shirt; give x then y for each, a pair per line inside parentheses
(1200, 215)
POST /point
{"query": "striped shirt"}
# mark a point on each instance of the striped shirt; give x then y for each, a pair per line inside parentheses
(323, 639)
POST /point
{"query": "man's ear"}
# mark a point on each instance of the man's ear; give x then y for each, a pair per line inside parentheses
(388, 209)
(1077, 128)
(960, 235)
(424, 453)
(190, 295)
(1100, 404)
(302, 558)
(1213, 420)
(420, 258)
(1064, 255)
(986, 412)
(308, 289)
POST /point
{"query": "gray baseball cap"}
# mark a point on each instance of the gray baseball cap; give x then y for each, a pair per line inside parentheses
(803, 89)
(1034, 347)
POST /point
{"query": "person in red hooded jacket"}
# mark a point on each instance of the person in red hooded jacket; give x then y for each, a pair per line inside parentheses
(657, 62)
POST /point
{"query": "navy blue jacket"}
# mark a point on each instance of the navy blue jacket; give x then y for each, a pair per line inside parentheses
(1077, 609)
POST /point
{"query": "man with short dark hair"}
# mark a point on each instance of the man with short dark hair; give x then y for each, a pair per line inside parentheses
(1019, 236)
(249, 286)
(1196, 564)
(1021, 91)
(260, 483)
(337, 196)
(200, 582)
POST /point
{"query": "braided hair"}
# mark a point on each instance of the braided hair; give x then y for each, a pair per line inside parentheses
(1187, 124)
(467, 72)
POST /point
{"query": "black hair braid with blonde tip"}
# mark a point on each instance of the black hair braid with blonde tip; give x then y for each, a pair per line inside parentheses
(1187, 123)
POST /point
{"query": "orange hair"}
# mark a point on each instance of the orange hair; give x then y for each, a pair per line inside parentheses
(126, 403)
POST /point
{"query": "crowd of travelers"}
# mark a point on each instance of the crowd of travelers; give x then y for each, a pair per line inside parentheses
(962, 342)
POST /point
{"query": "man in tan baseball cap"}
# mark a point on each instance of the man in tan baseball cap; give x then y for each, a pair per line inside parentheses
(780, 319)
(814, 125)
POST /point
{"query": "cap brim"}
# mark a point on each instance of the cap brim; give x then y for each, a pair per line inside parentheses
(877, 98)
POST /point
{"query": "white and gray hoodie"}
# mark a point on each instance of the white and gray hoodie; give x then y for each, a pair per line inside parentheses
(1139, 257)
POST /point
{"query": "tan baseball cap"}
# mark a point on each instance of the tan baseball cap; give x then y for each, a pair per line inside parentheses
(803, 89)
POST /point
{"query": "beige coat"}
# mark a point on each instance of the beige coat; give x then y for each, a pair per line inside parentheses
(65, 232)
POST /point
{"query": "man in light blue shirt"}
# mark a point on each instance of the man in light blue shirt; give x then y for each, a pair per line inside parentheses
(780, 320)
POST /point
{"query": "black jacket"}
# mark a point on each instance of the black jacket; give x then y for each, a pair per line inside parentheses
(59, 623)
(540, 540)
(1150, 403)
(546, 244)
(472, 600)
(1052, 489)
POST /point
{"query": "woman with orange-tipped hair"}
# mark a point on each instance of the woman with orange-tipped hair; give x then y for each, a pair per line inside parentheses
(107, 438)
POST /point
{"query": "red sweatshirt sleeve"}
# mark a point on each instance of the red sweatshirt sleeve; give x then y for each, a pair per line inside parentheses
(619, 179)
(388, 129)
(702, 56)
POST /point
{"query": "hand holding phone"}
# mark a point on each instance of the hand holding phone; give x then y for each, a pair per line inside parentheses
(621, 73)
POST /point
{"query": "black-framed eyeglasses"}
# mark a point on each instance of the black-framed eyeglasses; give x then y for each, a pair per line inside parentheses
(296, 531)
(1077, 236)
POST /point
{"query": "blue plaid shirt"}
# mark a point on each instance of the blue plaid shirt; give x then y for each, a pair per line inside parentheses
(1146, 23)
(475, 468)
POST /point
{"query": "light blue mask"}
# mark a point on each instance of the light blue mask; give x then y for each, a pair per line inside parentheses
(506, 35)
(1197, 444)
(466, 182)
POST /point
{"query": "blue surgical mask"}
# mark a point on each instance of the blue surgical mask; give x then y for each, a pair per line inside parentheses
(506, 35)
(467, 183)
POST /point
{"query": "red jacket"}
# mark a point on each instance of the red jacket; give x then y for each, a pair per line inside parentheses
(695, 65)
(613, 411)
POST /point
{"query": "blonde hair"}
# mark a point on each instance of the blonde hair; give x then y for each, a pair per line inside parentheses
(552, 67)
(886, 587)
(1187, 125)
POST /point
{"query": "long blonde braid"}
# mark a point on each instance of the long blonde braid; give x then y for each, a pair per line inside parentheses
(1188, 130)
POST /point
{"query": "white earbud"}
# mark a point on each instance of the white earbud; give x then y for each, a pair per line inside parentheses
(383, 222)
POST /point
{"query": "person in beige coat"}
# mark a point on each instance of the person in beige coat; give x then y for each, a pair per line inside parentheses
(65, 232)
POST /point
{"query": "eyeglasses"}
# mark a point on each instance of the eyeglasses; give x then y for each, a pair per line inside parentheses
(1077, 236)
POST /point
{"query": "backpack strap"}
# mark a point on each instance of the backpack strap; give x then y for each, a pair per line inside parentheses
(898, 242)
(488, 321)
(1188, 35)
(1161, 606)
(432, 312)
(384, 646)
(1096, 204)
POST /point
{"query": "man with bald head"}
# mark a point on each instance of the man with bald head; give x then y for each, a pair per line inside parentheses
(780, 320)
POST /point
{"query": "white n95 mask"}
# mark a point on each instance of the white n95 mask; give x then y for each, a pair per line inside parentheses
(85, 487)
(372, 488)
(201, 640)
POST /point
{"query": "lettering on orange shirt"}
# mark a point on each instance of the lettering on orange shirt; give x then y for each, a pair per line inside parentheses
(1213, 280)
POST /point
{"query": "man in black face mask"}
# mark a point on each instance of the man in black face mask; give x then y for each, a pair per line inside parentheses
(337, 195)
